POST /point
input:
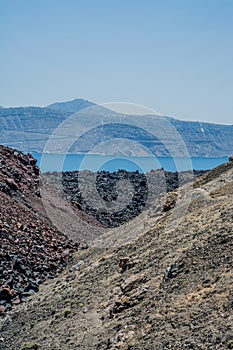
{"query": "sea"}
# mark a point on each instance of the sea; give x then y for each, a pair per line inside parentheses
(94, 162)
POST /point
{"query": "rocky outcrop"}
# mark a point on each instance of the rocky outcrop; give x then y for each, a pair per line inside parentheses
(155, 184)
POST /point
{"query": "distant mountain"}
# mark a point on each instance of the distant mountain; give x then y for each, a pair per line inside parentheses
(205, 139)
(29, 128)
(73, 106)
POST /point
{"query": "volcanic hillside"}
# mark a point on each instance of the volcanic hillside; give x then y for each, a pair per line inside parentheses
(31, 248)
(161, 281)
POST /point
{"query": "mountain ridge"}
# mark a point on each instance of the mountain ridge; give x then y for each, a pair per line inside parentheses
(29, 128)
(73, 106)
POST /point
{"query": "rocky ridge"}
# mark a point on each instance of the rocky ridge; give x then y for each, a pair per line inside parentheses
(29, 128)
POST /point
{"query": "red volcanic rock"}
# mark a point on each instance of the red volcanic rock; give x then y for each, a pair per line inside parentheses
(11, 184)
(31, 248)
(2, 309)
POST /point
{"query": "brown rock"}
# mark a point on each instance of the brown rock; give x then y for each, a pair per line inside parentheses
(2, 309)
(124, 264)
(131, 283)
(170, 201)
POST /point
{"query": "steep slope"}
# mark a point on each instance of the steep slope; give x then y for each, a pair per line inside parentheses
(154, 283)
(31, 248)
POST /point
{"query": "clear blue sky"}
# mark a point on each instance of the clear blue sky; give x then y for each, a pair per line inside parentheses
(175, 56)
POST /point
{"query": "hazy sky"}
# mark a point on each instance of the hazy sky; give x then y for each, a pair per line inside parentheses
(175, 56)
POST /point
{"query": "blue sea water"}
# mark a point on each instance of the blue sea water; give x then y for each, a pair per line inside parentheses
(94, 162)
